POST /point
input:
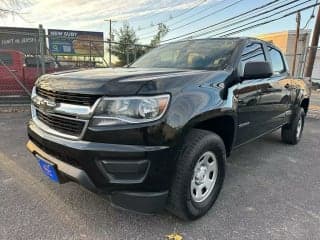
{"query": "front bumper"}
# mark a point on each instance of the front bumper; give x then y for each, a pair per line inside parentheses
(135, 177)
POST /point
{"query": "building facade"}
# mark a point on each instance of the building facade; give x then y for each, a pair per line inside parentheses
(286, 42)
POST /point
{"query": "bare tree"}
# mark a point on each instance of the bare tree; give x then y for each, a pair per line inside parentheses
(162, 31)
(12, 7)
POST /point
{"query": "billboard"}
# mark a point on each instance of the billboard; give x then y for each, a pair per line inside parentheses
(20, 39)
(75, 43)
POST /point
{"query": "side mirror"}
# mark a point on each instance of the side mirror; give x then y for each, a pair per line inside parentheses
(256, 70)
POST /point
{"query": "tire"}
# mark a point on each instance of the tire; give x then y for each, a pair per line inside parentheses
(291, 133)
(185, 200)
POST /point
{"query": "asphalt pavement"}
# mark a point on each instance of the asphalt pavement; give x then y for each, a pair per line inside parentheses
(271, 191)
(315, 99)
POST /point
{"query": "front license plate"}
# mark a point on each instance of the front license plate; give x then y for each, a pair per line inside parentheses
(48, 169)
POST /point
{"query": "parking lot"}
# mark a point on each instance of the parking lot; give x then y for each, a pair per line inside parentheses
(272, 191)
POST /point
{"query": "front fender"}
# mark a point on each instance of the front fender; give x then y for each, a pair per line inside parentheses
(195, 105)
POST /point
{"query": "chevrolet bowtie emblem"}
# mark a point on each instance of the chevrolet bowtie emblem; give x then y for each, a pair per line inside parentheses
(46, 105)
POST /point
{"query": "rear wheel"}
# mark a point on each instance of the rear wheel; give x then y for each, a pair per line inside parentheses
(292, 132)
(199, 175)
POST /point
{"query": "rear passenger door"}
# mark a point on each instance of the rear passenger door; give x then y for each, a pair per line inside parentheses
(247, 95)
(274, 94)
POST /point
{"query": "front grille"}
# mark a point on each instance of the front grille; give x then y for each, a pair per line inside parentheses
(61, 124)
(72, 98)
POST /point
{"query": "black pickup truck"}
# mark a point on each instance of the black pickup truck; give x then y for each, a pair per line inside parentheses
(157, 133)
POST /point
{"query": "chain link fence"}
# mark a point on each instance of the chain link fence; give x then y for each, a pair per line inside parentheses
(301, 64)
(96, 54)
(24, 56)
(17, 68)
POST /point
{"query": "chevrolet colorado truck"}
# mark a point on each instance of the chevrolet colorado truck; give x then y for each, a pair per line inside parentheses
(156, 134)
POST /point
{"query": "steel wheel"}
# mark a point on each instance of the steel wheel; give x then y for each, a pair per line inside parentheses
(204, 177)
(199, 175)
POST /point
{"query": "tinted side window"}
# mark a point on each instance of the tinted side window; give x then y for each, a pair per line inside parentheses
(253, 53)
(6, 59)
(276, 61)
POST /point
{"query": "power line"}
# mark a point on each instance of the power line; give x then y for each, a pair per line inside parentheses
(266, 12)
(208, 15)
(197, 13)
(311, 17)
(256, 20)
(187, 11)
(221, 22)
(203, 17)
(156, 14)
(272, 20)
(227, 33)
(183, 19)
(179, 15)
(246, 15)
(263, 18)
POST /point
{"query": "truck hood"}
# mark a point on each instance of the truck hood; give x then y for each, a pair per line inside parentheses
(126, 81)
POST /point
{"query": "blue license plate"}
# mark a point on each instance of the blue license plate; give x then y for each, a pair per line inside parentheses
(48, 169)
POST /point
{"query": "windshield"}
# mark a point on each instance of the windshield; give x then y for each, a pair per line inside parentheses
(208, 54)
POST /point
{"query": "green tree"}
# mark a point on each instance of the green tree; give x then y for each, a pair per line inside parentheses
(125, 48)
(162, 31)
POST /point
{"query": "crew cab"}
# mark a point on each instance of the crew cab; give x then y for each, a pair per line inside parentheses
(17, 69)
(157, 133)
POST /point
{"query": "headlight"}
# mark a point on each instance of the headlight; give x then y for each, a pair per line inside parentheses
(124, 110)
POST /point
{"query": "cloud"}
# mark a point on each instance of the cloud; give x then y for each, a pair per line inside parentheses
(84, 14)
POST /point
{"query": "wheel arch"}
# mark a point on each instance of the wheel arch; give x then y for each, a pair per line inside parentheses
(224, 125)
(305, 104)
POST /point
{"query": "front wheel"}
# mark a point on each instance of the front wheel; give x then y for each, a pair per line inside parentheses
(292, 132)
(199, 175)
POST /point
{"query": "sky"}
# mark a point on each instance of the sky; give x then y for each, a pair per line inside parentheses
(142, 15)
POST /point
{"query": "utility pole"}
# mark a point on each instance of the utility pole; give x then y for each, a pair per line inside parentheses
(90, 53)
(110, 40)
(298, 19)
(314, 45)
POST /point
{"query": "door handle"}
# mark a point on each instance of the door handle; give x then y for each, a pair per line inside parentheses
(12, 70)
